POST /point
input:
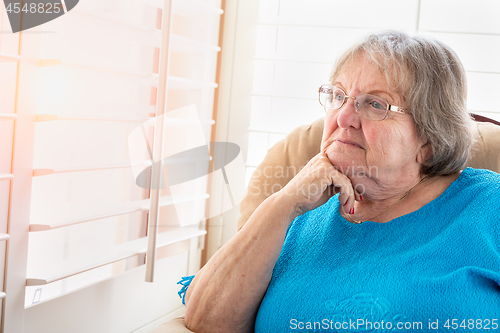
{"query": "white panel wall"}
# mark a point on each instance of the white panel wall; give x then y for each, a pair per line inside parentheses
(474, 33)
(478, 17)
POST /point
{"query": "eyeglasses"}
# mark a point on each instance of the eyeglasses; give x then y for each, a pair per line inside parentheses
(367, 106)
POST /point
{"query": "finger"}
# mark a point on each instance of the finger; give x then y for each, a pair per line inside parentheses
(347, 194)
(358, 194)
(347, 200)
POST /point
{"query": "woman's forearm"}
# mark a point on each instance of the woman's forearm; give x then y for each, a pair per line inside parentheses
(226, 294)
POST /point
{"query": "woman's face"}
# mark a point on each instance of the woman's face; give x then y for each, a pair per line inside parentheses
(381, 158)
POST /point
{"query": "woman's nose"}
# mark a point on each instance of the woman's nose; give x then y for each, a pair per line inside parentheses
(347, 115)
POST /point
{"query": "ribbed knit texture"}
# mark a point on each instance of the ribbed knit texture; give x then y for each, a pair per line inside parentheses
(440, 262)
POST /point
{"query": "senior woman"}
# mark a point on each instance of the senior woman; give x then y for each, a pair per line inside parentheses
(383, 229)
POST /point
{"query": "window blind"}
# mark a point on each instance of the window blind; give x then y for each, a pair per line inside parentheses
(78, 219)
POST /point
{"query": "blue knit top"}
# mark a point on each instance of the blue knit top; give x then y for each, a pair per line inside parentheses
(434, 270)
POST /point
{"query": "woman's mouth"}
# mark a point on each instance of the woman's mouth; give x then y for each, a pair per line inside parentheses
(348, 143)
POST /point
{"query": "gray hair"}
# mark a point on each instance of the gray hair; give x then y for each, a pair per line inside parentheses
(432, 81)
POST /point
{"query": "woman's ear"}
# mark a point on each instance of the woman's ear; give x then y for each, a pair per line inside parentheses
(424, 153)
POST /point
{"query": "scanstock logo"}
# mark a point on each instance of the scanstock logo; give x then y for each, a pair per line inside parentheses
(28, 14)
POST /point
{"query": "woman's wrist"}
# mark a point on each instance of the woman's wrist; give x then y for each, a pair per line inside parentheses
(288, 202)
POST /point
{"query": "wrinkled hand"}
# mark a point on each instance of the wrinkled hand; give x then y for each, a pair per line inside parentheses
(316, 183)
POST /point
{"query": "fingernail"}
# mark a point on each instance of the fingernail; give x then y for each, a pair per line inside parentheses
(360, 198)
(352, 210)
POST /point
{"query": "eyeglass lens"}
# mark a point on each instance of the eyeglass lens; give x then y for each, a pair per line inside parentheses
(367, 106)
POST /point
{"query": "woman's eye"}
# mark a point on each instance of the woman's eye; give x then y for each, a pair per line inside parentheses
(338, 97)
(377, 105)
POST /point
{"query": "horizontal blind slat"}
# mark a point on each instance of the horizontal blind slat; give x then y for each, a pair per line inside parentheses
(8, 116)
(194, 8)
(5, 57)
(140, 205)
(104, 17)
(183, 44)
(121, 252)
(6, 176)
(145, 163)
(169, 121)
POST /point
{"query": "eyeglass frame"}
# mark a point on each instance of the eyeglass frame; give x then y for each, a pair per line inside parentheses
(390, 107)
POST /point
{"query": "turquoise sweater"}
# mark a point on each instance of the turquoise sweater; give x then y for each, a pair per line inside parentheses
(434, 270)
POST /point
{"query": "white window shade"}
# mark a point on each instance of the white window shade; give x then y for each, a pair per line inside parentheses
(9, 58)
(96, 82)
